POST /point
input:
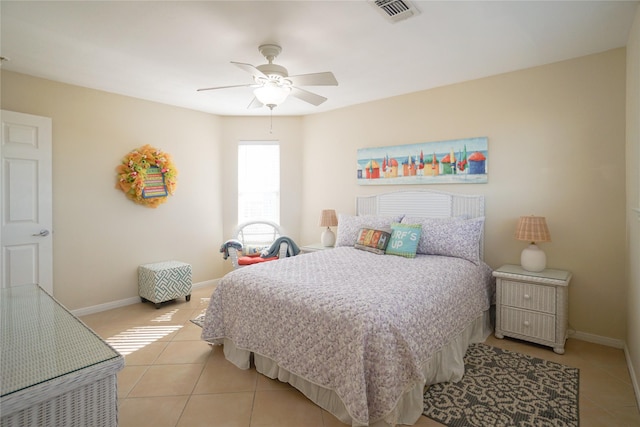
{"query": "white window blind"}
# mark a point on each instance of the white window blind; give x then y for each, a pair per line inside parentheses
(258, 181)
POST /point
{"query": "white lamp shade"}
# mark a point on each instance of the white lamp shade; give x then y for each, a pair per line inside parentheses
(271, 94)
(533, 258)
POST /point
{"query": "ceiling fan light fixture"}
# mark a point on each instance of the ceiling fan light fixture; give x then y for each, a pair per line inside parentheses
(272, 95)
(272, 83)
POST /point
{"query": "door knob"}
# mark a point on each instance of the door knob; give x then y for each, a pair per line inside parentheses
(42, 233)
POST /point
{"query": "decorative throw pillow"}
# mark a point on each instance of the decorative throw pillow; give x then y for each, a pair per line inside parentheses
(404, 239)
(250, 260)
(253, 250)
(450, 237)
(349, 226)
(372, 240)
(430, 227)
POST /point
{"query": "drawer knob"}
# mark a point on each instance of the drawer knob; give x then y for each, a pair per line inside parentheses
(526, 323)
(527, 296)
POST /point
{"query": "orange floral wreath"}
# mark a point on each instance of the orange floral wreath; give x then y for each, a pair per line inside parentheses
(132, 174)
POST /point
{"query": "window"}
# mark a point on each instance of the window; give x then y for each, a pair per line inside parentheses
(258, 181)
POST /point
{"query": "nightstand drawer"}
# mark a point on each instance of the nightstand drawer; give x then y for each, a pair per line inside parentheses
(529, 296)
(528, 323)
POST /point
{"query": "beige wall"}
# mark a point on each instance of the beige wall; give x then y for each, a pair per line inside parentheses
(100, 237)
(633, 201)
(556, 148)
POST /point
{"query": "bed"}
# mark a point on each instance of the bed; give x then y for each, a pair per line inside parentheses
(361, 333)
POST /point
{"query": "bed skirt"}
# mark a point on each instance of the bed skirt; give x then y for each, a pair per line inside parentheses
(446, 365)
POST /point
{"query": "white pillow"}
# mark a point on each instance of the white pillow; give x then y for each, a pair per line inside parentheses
(349, 226)
(456, 237)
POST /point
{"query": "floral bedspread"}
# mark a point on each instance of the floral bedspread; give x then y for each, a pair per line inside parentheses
(361, 324)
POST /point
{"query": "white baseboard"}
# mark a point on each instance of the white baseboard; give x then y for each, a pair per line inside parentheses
(128, 301)
(632, 374)
(597, 339)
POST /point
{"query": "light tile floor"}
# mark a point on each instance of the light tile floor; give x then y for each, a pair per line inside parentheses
(172, 378)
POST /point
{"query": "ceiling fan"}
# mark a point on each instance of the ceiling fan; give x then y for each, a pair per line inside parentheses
(273, 84)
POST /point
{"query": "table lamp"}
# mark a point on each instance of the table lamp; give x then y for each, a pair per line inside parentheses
(328, 219)
(533, 229)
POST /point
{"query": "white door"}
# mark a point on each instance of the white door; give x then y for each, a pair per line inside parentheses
(26, 194)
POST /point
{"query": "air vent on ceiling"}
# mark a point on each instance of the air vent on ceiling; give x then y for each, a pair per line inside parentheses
(395, 10)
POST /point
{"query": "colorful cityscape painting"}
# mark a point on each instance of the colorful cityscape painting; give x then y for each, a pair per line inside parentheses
(458, 161)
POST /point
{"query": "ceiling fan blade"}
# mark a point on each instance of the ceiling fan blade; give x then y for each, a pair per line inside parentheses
(224, 87)
(255, 103)
(250, 69)
(307, 96)
(314, 79)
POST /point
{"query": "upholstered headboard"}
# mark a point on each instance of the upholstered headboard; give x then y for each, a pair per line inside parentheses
(423, 203)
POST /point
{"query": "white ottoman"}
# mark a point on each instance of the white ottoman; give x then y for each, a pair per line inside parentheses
(164, 281)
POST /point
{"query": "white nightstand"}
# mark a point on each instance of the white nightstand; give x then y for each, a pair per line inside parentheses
(533, 306)
(314, 247)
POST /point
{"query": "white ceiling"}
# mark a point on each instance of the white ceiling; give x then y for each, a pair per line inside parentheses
(163, 51)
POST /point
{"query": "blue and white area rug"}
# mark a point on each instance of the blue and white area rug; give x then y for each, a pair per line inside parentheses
(504, 388)
(199, 321)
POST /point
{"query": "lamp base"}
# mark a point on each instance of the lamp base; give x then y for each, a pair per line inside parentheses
(533, 259)
(328, 239)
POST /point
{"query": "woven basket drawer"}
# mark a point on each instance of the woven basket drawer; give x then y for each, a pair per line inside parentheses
(528, 323)
(529, 296)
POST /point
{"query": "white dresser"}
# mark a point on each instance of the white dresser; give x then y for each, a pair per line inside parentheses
(532, 306)
(55, 370)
